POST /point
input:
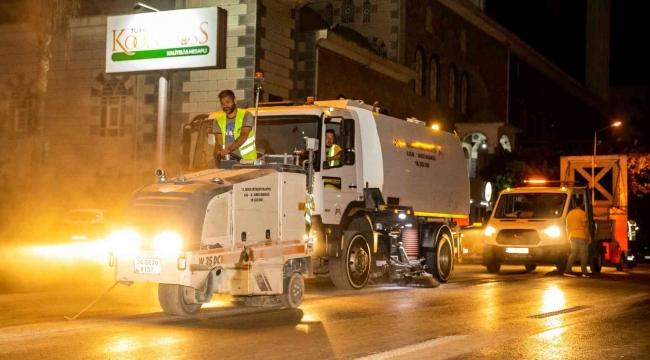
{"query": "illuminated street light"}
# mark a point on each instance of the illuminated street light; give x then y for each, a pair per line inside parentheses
(593, 159)
(484, 145)
(435, 127)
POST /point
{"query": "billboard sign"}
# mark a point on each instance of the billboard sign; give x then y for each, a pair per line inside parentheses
(177, 39)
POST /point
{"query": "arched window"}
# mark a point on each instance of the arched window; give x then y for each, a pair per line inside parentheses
(452, 86)
(464, 93)
(420, 80)
(347, 11)
(113, 112)
(434, 75)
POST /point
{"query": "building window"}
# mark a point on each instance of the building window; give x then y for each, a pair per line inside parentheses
(429, 19)
(434, 75)
(420, 79)
(452, 86)
(20, 111)
(366, 11)
(347, 11)
(464, 93)
(112, 109)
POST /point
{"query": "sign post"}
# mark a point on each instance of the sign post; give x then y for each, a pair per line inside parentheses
(163, 41)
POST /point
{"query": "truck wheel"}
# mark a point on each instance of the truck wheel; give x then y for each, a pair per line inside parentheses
(294, 291)
(352, 269)
(172, 301)
(596, 261)
(492, 266)
(440, 261)
(530, 267)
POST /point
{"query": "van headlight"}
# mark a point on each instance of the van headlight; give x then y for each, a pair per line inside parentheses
(124, 242)
(553, 231)
(489, 231)
(168, 243)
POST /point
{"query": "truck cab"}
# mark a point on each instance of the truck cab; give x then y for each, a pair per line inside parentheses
(528, 227)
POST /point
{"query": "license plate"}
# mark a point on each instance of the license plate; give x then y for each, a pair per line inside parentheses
(517, 250)
(147, 266)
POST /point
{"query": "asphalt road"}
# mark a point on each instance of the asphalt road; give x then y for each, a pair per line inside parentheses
(512, 315)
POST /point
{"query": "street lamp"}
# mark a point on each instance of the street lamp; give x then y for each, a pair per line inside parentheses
(593, 159)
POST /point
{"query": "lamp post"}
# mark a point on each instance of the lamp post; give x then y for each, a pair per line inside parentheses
(593, 159)
(163, 85)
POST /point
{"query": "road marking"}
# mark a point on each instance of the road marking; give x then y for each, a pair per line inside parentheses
(559, 312)
(412, 348)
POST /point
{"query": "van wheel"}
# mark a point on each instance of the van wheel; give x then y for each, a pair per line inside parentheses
(530, 267)
(492, 266)
(352, 269)
(440, 262)
(294, 291)
(561, 264)
(172, 301)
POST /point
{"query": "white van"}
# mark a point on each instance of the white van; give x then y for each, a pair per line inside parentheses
(528, 227)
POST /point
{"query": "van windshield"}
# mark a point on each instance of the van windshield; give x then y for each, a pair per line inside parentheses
(531, 206)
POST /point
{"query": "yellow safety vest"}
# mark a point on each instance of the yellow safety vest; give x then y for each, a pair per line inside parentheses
(333, 150)
(247, 149)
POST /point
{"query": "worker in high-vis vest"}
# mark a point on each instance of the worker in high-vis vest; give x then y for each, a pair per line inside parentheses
(333, 151)
(233, 129)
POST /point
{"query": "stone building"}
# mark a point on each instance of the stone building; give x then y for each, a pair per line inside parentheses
(441, 61)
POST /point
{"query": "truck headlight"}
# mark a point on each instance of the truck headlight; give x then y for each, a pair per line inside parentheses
(553, 231)
(489, 231)
(124, 242)
(167, 243)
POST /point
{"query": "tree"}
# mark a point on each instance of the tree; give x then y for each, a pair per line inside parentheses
(638, 167)
(510, 169)
(50, 21)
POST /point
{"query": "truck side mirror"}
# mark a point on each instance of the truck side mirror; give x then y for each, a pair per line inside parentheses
(347, 157)
(347, 132)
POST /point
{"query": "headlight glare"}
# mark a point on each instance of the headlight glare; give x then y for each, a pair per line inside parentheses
(489, 231)
(553, 231)
(124, 242)
(168, 243)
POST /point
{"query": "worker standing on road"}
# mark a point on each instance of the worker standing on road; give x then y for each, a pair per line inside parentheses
(233, 129)
(333, 151)
(578, 232)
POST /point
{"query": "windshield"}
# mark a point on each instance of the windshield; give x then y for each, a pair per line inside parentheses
(284, 135)
(531, 206)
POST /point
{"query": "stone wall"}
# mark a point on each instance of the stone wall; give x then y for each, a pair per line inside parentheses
(445, 36)
(377, 20)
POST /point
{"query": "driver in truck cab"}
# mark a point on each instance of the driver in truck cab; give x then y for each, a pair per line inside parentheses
(333, 150)
(233, 129)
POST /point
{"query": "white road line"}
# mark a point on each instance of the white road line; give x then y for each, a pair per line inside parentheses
(412, 348)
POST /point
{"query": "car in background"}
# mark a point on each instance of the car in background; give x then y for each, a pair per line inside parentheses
(83, 224)
(638, 255)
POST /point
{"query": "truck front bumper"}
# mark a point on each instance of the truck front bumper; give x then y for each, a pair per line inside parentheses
(539, 255)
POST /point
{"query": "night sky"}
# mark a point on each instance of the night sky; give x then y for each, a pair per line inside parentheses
(556, 28)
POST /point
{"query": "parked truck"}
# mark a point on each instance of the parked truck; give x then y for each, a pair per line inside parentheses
(383, 212)
(528, 225)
